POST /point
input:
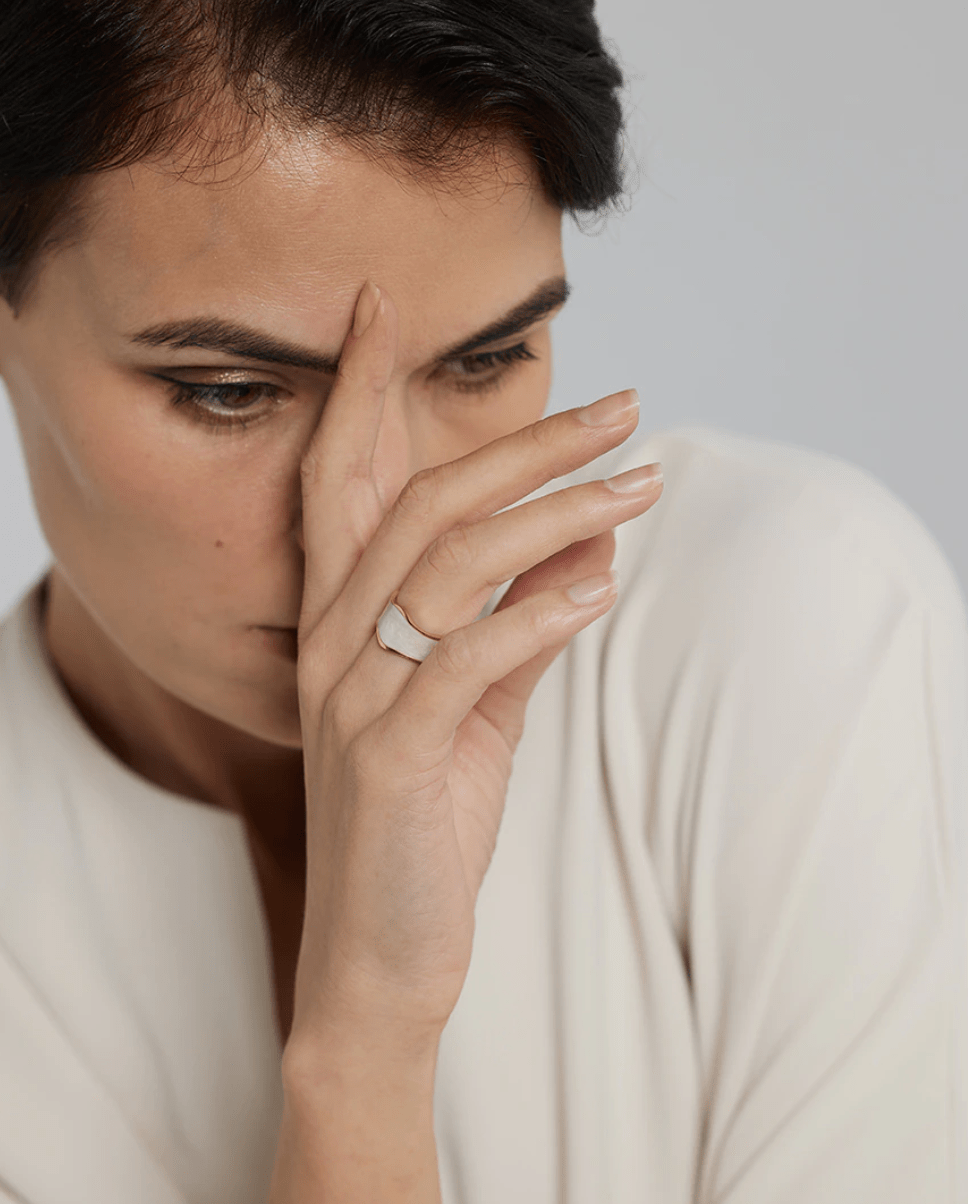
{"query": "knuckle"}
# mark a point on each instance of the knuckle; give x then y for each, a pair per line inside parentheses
(451, 552)
(545, 435)
(309, 468)
(340, 719)
(346, 375)
(538, 620)
(362, 756)
(358, 374)
(375, 760)
(455, 656)
(419, 497)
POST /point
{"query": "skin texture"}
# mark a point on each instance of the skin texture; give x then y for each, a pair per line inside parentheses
(174, 540)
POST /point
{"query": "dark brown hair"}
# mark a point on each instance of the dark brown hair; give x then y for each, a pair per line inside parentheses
(90, 85)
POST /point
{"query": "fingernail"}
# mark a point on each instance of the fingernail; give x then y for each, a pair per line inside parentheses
(366, 308)
(610, 411)
(638, 480)
(593, 589)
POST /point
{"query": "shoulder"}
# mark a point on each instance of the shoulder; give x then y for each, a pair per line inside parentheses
(789, 649)
(749, 526)
(785, 710)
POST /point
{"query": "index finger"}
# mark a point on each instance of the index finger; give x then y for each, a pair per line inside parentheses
(341, 506)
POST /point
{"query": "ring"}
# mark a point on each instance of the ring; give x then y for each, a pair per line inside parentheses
(396, 633)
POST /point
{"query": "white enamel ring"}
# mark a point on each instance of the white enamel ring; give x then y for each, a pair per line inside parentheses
(395, 633)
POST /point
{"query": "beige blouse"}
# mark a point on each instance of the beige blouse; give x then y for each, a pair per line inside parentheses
(721, 949)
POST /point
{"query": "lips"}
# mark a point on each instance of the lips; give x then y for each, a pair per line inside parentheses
(282, 640)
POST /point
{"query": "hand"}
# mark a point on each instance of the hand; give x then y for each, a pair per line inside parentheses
(407, 765)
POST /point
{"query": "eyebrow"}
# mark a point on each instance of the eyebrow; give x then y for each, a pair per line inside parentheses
(246, 342)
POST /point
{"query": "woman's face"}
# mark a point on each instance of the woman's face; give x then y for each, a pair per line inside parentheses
(179, 534)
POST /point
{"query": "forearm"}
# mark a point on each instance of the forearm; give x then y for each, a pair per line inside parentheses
(357, 1125)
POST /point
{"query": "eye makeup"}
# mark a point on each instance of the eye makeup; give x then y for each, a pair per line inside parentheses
(220, 406)
(210, 405)
(483, 370)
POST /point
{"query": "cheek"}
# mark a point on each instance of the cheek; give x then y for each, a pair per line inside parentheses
(124, 483)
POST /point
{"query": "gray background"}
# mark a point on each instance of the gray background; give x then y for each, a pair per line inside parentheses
(795, 261)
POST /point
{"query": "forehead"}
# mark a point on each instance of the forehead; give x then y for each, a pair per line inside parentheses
(287, 234)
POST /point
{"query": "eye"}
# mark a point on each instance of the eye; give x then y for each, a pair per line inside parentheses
(221, 406)
(483, 371)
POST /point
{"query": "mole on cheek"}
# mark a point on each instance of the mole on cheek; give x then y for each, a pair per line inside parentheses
(218, 543)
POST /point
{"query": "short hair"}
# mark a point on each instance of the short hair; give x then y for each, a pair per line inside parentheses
(91, 85)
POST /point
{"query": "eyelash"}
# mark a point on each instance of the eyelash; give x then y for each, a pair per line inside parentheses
(199, 398)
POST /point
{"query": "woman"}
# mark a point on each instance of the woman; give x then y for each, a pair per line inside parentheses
(259, 936)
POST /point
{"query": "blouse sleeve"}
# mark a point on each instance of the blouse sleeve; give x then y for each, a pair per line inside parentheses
(819, 844)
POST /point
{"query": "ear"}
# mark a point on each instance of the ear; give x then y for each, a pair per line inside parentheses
(7, 318)
(11, 334)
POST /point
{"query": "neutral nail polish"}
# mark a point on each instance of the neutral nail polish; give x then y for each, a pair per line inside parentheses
(593, 589)
(637, 480)
(610, 411)
(366, 308)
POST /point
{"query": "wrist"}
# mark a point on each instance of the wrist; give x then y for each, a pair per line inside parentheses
(358, 1121)
(355, 1060)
